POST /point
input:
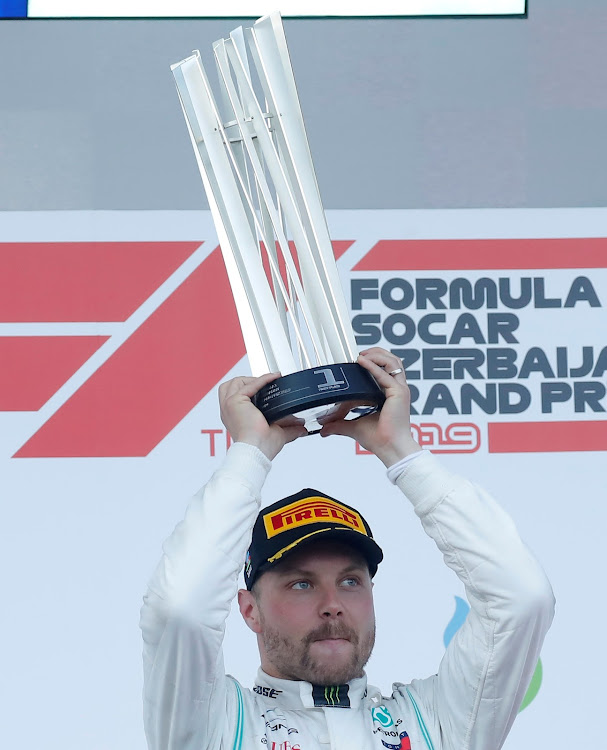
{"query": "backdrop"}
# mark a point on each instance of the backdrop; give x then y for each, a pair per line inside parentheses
(118, 326)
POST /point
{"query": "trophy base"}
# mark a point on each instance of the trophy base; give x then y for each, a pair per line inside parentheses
(317, 392)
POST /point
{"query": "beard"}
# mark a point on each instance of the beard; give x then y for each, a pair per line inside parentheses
(293, 658)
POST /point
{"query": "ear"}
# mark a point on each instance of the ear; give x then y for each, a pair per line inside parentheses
(249, 609)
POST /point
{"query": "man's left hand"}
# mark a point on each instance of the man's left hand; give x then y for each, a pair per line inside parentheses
(387, 433)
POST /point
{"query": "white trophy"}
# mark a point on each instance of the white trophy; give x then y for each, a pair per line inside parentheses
(257, 170)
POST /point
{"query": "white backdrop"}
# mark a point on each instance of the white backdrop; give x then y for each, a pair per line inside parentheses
(107, 422)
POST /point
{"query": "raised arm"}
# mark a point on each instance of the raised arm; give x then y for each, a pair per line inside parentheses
(487, 667)
(472, 702)
(190, 594)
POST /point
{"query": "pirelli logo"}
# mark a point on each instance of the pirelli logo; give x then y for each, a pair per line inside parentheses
(312, 510)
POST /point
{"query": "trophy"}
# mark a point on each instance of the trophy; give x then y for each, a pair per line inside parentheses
(255, 162)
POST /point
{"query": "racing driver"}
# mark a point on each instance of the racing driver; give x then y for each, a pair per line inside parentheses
(308, 599)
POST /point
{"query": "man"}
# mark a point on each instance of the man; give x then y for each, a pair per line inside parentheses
(310, 603)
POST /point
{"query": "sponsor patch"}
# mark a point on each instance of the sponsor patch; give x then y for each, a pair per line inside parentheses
(331, 696)
(312, 510)
(404, 743)
(267, 692)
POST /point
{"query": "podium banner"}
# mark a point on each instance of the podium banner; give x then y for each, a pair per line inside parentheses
(116, 329)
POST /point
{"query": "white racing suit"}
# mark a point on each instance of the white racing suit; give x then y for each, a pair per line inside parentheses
(191, 704)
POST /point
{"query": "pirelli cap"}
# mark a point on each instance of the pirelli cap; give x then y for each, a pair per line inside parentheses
(307, 516)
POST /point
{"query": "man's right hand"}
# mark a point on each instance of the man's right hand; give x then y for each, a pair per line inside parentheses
(244, 421)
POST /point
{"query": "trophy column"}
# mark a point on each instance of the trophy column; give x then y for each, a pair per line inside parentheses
(255, 162)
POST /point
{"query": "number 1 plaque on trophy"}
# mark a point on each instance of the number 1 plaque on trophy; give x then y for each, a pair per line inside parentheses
(255, 162)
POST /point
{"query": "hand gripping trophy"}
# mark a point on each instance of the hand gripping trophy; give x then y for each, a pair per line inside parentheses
(256, 166)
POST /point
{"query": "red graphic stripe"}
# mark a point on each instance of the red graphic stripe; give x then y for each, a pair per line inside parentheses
(339, 248)
(547, 437)
(33, 368)
(158, 375)
(472, 255)
(83, 281)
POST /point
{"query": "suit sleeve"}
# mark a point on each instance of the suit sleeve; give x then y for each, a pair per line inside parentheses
(187, 701)
(489, 663)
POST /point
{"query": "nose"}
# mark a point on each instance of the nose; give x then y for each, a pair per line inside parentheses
(330, 604)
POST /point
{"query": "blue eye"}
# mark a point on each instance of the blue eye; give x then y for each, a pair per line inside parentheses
(301, 586)
(350, 582)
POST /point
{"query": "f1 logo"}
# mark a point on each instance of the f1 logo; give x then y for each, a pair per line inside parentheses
(112, 343)
(176, 350)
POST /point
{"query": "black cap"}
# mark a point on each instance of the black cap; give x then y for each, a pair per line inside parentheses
(307, 516)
